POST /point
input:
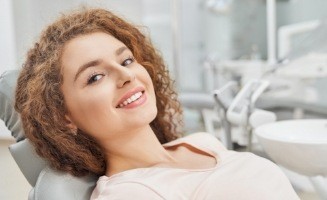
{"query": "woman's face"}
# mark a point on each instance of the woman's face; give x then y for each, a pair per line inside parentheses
(107, 93)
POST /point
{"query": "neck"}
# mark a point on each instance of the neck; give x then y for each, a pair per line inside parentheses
(137, 149)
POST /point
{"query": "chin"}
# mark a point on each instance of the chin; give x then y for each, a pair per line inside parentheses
(151, 115)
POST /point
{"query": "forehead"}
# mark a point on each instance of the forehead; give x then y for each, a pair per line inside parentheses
(86, 43)
(85, 48)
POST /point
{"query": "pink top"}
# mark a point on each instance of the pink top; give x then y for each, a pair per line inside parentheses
(237, 176)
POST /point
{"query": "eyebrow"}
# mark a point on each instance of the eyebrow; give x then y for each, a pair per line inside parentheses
(96, 62)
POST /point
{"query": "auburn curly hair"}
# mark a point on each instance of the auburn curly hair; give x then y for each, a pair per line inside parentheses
(40, 101)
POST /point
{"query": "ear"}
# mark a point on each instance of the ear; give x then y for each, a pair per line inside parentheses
(69, 122)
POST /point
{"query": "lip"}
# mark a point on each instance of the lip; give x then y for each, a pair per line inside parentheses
(129, 94)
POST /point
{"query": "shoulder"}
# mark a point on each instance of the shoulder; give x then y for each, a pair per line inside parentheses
(200, 140)
(257, 166)
(263, 169)
(200, 135)
(205, 140)
(123, 190)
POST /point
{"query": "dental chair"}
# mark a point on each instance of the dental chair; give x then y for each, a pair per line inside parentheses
(46, 183)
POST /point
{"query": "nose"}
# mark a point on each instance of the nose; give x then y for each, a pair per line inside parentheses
(125, 76)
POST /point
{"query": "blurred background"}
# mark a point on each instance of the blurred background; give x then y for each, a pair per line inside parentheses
(206, 44)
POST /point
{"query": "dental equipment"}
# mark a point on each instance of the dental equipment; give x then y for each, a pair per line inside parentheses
(286, 32)
(241, 111)
(243, 104)
(222, 110)
(298, 145)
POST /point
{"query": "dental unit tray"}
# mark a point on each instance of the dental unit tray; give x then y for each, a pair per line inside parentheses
(242, 105)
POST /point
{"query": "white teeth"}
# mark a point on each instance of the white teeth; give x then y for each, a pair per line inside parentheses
(131, 99)
(138, 94)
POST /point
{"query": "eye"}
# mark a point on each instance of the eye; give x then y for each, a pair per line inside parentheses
(94, 78)
(128, 61)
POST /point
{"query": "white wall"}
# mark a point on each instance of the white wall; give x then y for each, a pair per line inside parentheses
(32, 16)
(13, 184)
(7, 40)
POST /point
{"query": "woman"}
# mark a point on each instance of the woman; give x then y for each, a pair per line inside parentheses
(95, 98)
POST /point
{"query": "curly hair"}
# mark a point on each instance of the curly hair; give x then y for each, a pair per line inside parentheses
(40, 101)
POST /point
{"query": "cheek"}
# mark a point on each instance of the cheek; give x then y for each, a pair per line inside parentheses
(145, 77)
(94, 119)
(90, 108)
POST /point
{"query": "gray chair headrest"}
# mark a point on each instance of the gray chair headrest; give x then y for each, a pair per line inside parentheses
(48, 184)
(28, 161)
(54, 185)
(23, 152)
(7, 111)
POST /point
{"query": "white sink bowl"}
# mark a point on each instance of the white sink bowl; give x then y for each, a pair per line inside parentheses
(299, 145)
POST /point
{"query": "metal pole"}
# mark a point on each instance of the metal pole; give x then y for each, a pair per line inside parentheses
(271, 32)
(175, 22)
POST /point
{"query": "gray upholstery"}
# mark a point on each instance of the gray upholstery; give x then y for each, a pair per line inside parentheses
(7, 112)
(28, 161)
(54, 185)
(47, 183)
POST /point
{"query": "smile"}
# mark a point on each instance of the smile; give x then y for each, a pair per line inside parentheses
(130, 100)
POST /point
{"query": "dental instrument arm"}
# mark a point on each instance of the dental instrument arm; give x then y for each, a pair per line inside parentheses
(222, 109)
(218, 94)
(243, 104)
